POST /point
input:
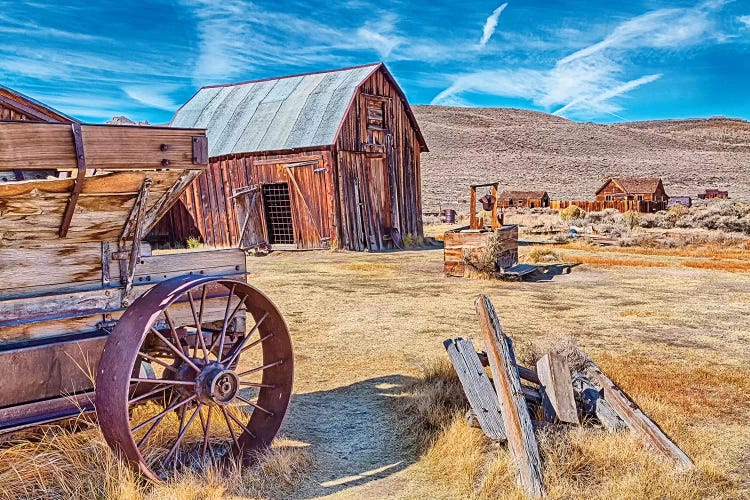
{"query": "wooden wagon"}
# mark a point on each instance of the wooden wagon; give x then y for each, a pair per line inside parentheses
(90, 319)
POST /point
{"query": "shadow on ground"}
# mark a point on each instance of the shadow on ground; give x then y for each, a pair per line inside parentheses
(352, 431)
(548, 272)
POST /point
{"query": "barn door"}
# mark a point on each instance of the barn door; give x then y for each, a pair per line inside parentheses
(248, 204)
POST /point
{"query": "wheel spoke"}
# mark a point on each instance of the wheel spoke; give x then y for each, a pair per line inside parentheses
(157, 361)
(269, 365)
(199, 332)
(171, 407)
(239, 348)
(253, 344)
(146, 395)
(161, 381)
(255, 384)
(254, 405)
(183, 430)
(175, 350)
(206, 432)
(237, 421)
(229, 425)
(173, 330)
(227, 320)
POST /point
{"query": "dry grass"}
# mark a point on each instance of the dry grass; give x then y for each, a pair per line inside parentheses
(369, 267)
(719, 265)
(614, 261)
(640, 313)
(542, 254)
(61, 464)
(711, 251)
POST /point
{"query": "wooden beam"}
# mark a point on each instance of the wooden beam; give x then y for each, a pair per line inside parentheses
(636, 419)
(516, 419)
(477, 387)
(34, 146)
(162, 206)
(78, 183)
(557, 389)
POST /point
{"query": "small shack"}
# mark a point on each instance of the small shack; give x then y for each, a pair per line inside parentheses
(318, 160)
(523, 199)
(710, 194)
(650, 190)
(685, 201)
(15, 106)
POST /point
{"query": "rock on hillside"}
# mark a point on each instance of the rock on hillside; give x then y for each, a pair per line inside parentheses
(536, 151)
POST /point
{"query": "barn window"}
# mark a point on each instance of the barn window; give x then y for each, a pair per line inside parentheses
(640, 197)
(278, 207)
(375, 114)
(608, 198)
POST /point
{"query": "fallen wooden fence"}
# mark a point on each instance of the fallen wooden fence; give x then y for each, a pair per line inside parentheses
(501, 405)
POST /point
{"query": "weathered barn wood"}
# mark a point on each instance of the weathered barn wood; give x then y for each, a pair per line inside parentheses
(594, 404)
(334, 156)
(477, 387)
(516, 419)
(557, 389)
(638, 422)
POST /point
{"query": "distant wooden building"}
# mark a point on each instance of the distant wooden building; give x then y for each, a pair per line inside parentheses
(711, 194)
(634, 189)
(14, 106)
(685, 201)
(523, 199)
(305, 161)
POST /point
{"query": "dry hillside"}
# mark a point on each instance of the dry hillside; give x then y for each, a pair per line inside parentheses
(530, 150)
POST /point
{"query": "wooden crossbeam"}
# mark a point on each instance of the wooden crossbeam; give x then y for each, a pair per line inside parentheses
(558, 400)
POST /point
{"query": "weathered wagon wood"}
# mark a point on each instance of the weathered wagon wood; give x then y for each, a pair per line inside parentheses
(461, 245)
(595, 405)
(558, 400)
(516, 419)
(638, 422)
(477, 387)
(28, 145)
(525, 373)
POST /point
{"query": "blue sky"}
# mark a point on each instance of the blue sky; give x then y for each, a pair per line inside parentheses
(602, 61)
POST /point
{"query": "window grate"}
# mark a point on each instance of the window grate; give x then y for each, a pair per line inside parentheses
(278, 213)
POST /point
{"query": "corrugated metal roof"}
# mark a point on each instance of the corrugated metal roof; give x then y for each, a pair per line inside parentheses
(276, 114)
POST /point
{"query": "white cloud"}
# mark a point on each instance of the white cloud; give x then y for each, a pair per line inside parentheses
(491, 24)
(600, 101)
(151, 96)
(744, 20)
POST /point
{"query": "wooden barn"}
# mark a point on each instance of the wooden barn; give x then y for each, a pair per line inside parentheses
(634, 189)
(317, 160)
(14, 106)
(711, 194)
(523, 199)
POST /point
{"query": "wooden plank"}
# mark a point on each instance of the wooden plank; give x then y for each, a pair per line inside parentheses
(516, 419)
(594, 404)
(46, 371)
(17, 417)
(26, 145)
(170, 196)
(635, 418)
(557, 389)
(60, 306)
(477, 386)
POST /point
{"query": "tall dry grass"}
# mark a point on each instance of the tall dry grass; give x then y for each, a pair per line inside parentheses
(586, 462)
(63, 464)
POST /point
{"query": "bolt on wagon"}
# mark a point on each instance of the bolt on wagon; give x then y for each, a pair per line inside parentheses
(171, 348)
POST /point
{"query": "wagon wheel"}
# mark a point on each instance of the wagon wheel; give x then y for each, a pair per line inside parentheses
(208, 370)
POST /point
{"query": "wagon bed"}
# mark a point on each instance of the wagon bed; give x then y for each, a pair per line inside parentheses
(78, 287)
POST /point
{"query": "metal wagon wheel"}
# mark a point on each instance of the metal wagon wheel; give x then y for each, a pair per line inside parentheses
(195, 369)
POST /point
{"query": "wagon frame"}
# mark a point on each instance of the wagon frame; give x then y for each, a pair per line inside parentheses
(92, 319)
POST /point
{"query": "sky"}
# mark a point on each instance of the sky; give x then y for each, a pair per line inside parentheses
(602, 61)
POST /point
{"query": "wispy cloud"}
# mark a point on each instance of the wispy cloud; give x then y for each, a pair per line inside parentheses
(587, 82)
(744, 20)
(152, 96)
(491, 24)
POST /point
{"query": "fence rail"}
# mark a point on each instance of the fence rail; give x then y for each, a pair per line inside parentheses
(620, 205)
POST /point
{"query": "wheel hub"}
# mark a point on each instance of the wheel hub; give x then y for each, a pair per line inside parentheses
(217, 385)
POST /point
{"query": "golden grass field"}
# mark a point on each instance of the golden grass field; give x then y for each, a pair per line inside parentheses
(377, 412)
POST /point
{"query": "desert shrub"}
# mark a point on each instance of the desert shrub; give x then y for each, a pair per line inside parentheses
(541, 254)
(726, 215)
(560, 238)
(631, 219)
(573, 212)
(192, 242)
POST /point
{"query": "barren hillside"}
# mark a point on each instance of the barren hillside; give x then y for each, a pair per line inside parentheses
(530, 150)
